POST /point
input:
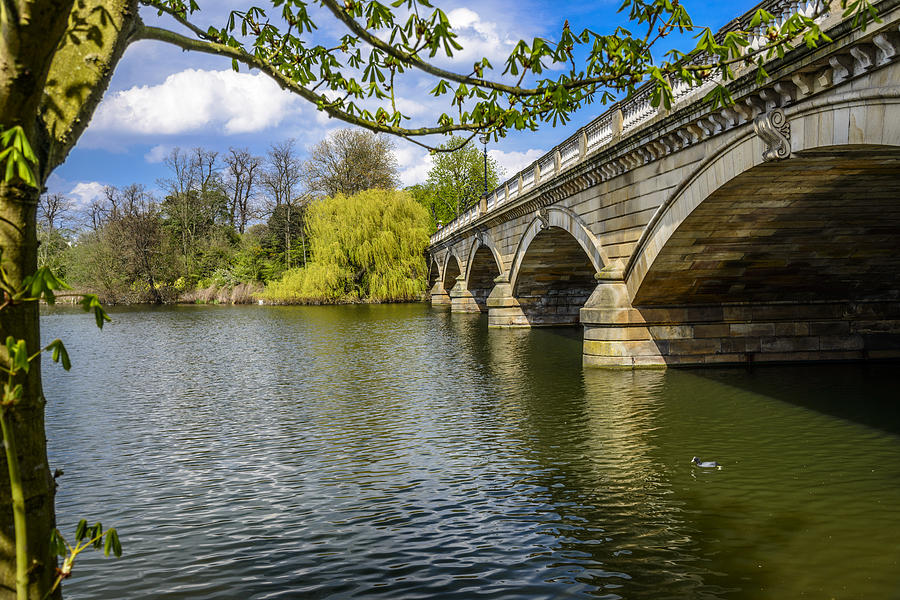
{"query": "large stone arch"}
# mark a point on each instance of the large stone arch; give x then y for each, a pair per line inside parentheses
(566, 220)
(851, 125)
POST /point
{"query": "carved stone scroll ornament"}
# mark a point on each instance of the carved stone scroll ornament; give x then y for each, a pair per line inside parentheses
(773, 128)
(543, 217)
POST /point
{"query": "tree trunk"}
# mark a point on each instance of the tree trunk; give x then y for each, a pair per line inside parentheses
(40, 66)
(18, 238)
(287, 237)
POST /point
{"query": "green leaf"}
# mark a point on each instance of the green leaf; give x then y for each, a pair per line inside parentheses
(12, 395)
(18, 355)
(57, 544)
(90, 302)
(18, 155)
(82, 530)
(60, 353)
(96, 530)
(116, 544)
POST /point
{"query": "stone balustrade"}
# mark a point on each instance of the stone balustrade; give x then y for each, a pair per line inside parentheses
(625, 118)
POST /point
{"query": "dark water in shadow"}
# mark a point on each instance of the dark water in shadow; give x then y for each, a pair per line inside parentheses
(403, 452)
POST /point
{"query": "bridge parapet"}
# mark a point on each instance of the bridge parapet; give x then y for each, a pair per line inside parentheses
(628, 117)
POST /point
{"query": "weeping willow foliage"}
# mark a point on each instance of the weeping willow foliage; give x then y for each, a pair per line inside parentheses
(365, 247)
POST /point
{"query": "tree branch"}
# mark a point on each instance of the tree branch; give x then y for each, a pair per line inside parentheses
(146, 32)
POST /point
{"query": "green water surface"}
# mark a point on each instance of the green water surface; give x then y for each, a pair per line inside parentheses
(401, 451)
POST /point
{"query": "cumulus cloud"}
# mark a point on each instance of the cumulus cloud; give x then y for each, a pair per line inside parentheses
(86, 192)
(513, 162)
(479, 38)
(195, 100)
(414, 163)
(157, 153)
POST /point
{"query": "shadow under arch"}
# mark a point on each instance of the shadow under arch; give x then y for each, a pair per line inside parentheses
(822, 226)
(568, 221)
(554, 278)
(817, 151)
(451, 271)
(434, 272)
(483, 266)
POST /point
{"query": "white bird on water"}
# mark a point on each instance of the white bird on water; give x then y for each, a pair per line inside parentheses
(708, 464)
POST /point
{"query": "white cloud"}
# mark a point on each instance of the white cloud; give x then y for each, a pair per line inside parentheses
(157, 153)
(413, 108)
(194, 100)
(86, 192)
(479, 38)
(513, 162)
(414, 163)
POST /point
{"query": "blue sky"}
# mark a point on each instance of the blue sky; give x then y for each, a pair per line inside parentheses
(161, 98)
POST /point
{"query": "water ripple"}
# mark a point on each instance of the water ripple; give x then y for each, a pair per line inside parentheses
(403, 452)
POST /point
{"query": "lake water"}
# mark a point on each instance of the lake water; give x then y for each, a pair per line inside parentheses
(401, 451)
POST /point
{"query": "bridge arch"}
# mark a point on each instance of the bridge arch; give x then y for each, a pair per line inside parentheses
(483, 266)
(552, 273)
(568, 221)
(452, 269)
(485, 243)
(434, 271)
(821, 224)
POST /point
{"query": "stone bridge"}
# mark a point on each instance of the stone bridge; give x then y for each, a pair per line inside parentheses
(765, 231)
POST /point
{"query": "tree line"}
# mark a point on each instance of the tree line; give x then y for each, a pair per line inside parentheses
(229, 224)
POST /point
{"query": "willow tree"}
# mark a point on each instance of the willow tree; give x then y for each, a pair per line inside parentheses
(377, 255)
(57, 57)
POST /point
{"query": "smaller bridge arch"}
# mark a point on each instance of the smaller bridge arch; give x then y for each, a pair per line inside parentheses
(483, 242)
(483, 266)
(565, 219)
(452, 269)
(434, 271)
(553, 269)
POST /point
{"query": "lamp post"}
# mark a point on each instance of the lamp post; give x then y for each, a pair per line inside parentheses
(483, 138)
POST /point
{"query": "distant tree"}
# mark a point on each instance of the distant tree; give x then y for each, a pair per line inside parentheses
(51, 209)
(53, 240)
(138, 233)
(350, 161)
(252, 260)
(456, 181)
(195, 201)
(95, 215)
(127, 256)
(282, 181)
(242, 179)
